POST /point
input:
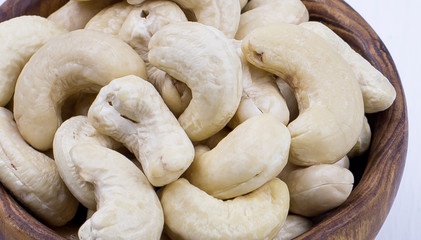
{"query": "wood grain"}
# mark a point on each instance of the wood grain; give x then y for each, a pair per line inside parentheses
(378, 173)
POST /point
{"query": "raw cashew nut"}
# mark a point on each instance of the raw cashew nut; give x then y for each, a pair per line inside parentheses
(130, 110)
(77, 130)
(20, 38)
(293, 227)
(319, 188)
(221, 14)
(378, 92)
(330, 100)
(32, 177)
(262, 13)
(206, 61)
(190, 213)
(260, 95)
(145, 20)
(110, 19)
(81, 60)
(363, 142)
(128, 207)
(248, 157)
(137, 30)
(75, 14)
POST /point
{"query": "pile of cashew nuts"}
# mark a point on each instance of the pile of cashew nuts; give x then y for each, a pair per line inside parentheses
(211, 119)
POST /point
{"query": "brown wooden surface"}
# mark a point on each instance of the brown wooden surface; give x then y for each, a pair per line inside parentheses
(378, 174)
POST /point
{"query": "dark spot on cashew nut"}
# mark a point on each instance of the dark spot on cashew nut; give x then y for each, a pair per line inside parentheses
(123, 116)
(13, 166)
(144, 13)
(259, 56)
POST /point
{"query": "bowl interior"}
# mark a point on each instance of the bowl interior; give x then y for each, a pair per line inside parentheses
(377, 173)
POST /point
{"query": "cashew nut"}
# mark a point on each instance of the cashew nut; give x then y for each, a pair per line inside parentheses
(77, 130)
(190, 213)
(363, 142)
(81, 60)
(130, 110)
(330, 100)
(75, 14)
(248, 157)
(128, 207)
(293, 227)
(260, 95)
(206, 61)
(262, 13)
(32, 177)
(110, 19)
(221, 14)
(21, 38)
(319, 188)
(137, 30)
(378, 92)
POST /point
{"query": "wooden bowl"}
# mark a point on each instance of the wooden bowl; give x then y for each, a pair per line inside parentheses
(377, 174)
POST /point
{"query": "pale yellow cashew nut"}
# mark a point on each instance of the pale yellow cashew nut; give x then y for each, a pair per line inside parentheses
(255, 152)
(137, 30)
(128, 207)
(130, 110)
(330, 100)
(363, 142)
(75, 14)
(294, 226)
(110, 19)
(20, 38)
(204, 59)
(221, 14)
(261, 13)
(32, 177)
(319, 188)
(191, 213)
(378, 93)
(82, 60)
(77, 130)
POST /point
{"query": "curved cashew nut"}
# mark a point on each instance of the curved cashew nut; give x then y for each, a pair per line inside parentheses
(130, 110)
(319, 188)
(190, 213)
(18, 46)
(260, 94)
(81, 60)
(32, 177)
(204, 59)
(137, 31)
(75, 14)
(244, 160)
(363, 142)
(77, 130)
(128, 207)
(378, 93)
(328, 94)
(293, 227)
(262, 13)
(221, 14)
(110, 19)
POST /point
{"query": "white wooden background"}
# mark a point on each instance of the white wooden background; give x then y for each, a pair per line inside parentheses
(398, 25)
